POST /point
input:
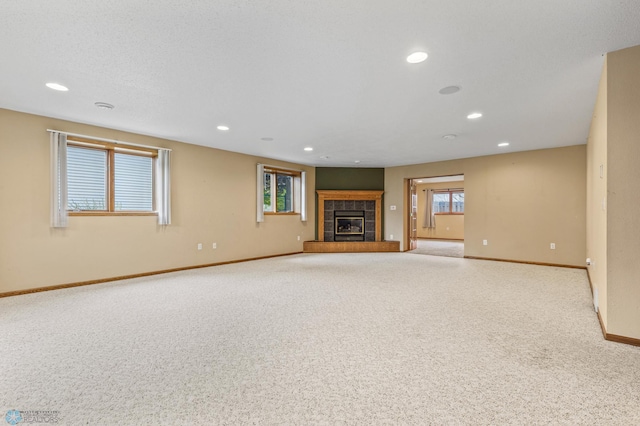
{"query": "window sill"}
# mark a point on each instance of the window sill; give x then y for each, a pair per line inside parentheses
(281, 214)
(103, 213)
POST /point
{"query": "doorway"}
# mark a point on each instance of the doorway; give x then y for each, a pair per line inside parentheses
(436, 215)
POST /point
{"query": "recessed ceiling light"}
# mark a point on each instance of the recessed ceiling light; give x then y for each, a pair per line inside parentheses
(449, 90)
(56, 86)
(266, 139)
(223, 128)
(325, 157)
(474, 115)
(104, 105)
(308, 148)
(357, 161)
(450, 136)
(417, 57)
(503, 144)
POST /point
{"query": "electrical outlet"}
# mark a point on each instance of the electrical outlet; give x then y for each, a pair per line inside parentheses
(485, 242)
(199, 246)
(552, 246)
(392, 207)
(298, 237)
(391, 237)
(214, 245)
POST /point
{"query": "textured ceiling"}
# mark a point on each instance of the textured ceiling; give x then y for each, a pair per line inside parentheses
(327, 74)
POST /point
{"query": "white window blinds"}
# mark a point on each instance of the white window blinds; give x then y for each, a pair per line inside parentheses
(133, 183)
(86, 179)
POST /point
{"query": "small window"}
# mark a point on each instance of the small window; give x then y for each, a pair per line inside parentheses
(110, 179)
(448, 202)
(279, 191)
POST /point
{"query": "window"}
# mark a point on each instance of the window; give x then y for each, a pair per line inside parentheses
(448, 202)
(109, 179)
(280, 188)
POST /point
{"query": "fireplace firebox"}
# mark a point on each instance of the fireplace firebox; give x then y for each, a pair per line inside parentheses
(349, 225)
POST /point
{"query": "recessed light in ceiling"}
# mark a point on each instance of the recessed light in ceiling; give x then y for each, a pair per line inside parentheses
(474, 115)
(56, 86)
(325, 157)
(503, 144)
(449, 90)
(308, 148)
(357, 161)
(266, 139)
(417, 57)
(450, 136)
(223, 128)
(104, 105)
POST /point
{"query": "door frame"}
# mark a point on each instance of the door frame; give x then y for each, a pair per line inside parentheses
(407, 192)
(412, 219)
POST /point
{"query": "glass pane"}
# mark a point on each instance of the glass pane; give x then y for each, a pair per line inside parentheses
(284, 196)
(441, 203)
(458, 202)
(87, 179)
(133, 183)
(268, 207)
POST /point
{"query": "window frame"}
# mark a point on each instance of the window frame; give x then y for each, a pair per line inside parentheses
(111, 149)
(450, 192)
(274, 171)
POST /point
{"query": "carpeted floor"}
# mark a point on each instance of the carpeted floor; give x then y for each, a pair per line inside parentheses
(448, 248)
(321, 339)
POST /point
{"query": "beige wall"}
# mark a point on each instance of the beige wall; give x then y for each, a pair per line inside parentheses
(520, 202)
(623, 188)
(447, 226)
(597, 198)
(213, 200)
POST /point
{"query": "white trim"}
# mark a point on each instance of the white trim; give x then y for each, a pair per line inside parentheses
(269, 166)
(107, 140)
(260, 193)
(303, 196)
(163, 187)
(59, 216)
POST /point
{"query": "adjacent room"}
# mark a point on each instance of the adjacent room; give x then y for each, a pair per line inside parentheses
(221, 213)
(436, 216)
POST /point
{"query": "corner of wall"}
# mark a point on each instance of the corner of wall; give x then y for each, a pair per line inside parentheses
(597, 199)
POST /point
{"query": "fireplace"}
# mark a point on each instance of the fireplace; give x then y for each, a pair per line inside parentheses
(365, 207)
(349, 225)
(349, 220)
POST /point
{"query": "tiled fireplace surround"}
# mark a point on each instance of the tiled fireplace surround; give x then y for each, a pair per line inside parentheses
(368, 206)
(368, 201)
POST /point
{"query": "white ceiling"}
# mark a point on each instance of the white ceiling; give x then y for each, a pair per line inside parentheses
(327, 74)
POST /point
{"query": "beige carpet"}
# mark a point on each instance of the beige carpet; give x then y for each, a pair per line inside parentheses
(448, 248)
(321, 339)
